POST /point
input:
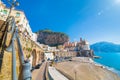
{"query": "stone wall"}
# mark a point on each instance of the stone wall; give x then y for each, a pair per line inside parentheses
(28, 46)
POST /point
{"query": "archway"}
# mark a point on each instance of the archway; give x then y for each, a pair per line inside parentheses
(42, 56)
(33, 58)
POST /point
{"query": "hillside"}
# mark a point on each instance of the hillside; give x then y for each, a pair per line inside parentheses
(105, 47)
(51, 38)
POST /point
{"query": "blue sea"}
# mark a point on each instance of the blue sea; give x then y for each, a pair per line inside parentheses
(110, 60)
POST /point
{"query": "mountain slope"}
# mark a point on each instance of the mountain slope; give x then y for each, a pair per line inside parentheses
(105, 47)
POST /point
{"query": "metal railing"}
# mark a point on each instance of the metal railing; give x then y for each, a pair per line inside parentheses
(26, 65)
(26, 73)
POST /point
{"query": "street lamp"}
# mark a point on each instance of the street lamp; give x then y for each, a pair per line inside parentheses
(13, 4)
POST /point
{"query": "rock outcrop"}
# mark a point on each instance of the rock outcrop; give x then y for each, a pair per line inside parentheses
(51, 38)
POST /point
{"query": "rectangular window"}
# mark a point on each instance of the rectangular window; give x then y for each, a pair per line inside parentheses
(17, 14)
(5, 12)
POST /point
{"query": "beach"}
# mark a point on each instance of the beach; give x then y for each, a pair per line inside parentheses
(84, 68)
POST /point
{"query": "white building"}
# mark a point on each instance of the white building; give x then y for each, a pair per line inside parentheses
(2, 6)
(86, 46)
(48, 48)
(51, 48)
(34, 37)
(49, 56)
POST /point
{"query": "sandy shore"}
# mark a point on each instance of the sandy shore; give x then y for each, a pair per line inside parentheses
(85, 69)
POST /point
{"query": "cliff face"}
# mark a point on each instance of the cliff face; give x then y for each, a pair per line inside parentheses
(51, 38)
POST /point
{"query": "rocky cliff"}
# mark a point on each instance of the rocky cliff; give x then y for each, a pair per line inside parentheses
(51, 38)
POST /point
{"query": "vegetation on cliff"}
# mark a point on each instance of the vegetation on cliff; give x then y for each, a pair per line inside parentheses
(51, 38)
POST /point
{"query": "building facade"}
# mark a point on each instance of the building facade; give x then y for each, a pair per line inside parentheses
(21, 21)
(34, 38)
(82, 48)
(77, 46)
(2, 7)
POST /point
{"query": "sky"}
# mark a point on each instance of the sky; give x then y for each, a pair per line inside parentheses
(93, 20)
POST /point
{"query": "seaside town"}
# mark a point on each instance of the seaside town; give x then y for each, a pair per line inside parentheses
(22, 57)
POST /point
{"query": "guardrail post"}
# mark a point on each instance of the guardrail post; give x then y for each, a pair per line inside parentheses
(26, 71)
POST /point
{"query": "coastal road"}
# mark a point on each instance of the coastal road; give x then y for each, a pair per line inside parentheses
(39, 74)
